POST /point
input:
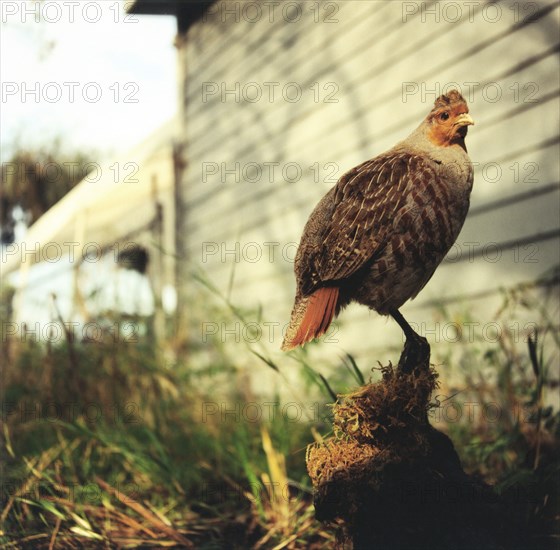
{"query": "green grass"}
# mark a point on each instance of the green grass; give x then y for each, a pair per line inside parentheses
(106, 445)
(124, 444)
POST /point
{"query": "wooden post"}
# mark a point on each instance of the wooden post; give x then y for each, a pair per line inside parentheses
(391, 479)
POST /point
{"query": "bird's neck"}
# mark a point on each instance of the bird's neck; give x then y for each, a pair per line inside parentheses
(460, 141)
(421, 141)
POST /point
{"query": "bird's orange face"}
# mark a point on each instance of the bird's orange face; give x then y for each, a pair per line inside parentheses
(449, 120)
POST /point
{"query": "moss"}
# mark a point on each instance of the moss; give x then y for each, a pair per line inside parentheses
(379, 423)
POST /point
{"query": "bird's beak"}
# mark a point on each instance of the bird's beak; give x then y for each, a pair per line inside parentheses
(464, 120)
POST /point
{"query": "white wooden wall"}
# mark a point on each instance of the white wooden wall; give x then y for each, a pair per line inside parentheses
(376, 67)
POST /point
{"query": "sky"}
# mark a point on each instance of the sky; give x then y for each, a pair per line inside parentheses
(88, 73)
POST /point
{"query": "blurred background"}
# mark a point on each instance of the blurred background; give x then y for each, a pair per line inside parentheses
(159, 161)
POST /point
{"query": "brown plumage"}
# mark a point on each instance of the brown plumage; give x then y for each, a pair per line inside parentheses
(378, 235)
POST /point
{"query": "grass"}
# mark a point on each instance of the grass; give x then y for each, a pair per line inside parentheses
(118, 444)
(105, 445)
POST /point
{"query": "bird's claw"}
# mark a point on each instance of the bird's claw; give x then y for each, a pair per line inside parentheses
(415, 355)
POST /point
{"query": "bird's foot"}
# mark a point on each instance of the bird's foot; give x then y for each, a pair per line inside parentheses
(415, 355)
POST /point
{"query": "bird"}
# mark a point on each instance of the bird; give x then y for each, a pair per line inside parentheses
(377, 237)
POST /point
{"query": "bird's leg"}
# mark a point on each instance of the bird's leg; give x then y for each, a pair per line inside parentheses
(416, 352)
(406, 328)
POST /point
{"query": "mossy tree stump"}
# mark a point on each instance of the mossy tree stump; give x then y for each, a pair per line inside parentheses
(392, 480)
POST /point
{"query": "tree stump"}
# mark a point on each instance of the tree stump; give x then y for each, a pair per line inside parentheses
(391, 480)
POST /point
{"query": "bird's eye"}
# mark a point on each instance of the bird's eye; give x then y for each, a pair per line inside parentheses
(444, 116)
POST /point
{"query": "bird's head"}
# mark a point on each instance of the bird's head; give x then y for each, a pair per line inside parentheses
(449, 120)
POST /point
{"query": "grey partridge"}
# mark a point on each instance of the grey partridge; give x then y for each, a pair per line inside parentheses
(379, 234)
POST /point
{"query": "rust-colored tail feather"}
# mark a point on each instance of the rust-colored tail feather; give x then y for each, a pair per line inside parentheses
(311, 317)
